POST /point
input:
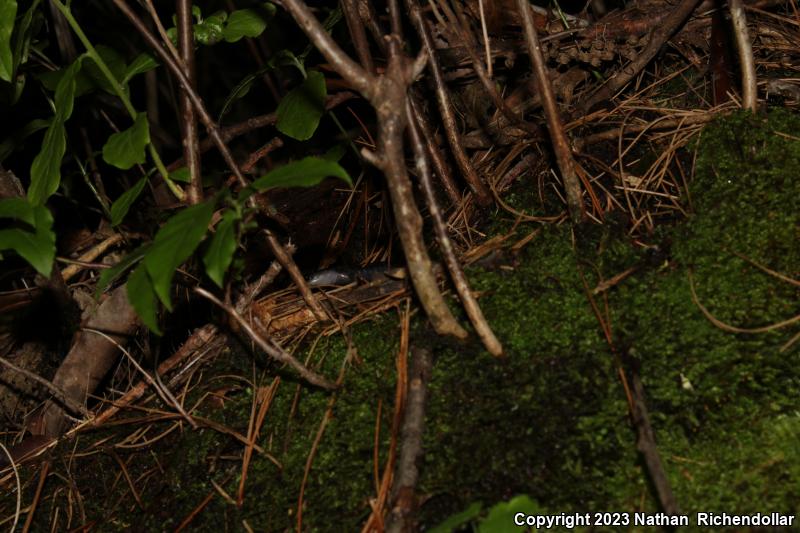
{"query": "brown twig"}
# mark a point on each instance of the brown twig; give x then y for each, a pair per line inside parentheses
(271, 349)
(471, 306)
(746, 60)
(434, 151)
(401, 516)
(482, 194)
(646, 444)
(191, 144)
(560, 145)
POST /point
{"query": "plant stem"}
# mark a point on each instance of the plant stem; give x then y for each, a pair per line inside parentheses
(119, 90)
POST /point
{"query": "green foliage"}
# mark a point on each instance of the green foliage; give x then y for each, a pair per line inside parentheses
(142, 63)
(46, 167)
(8, 12)
(501, 517)
(122, 205)
(246, 23)
(15, 141)
(126, 148)
(173, 244)
(229, 27)
(306, 172)
(458, 520)
(108, 275)
(37, 247)
(219, 255)
(300, 110)
(142, 296)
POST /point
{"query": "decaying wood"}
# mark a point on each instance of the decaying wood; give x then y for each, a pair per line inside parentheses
(90, 358)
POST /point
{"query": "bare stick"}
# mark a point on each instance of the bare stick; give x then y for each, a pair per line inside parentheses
(560, 145)
(401, 516)
(358, 34)
(291, 268)
(191, 144)
(482, 193)
(270, 348)
(471, 306)
(746, 60)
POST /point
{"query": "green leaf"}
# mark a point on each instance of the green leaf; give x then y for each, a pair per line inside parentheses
(142, 63)
(46, 167)
(122, 205)
(126, 148)
(182, 175)
(39, 248)
(8, 12)
(142, 297)
(306, 172)
(210, 31)
(173, 245)
(113, 60)
(219, 255)
(300, 110)
(108, 275)
(15, 140)
(244, 23)
(18, 208)
(501, 517)
(459, 519)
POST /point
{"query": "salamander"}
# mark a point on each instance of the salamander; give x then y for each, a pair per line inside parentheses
(339, 277)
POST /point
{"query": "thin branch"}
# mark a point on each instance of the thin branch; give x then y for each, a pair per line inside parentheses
(271, 349)
(401, 516)
(560, 145)
(358, 34)
(191, 144)
(482, 193)
(746, 60)
(471, 306)
(359, 78)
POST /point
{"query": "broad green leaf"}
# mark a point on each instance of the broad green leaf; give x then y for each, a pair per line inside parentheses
(113, 60)
(219, 255)
(46, 167)
(108, 275)
(300, 110)
(126, 148)
(457, 520)
(39, 248)
(306, 172)
(8, 12)
(335, 152)
(15, 140)
(182, 175)
(122, 205)
(23, 34)
(18, 208)
(173, 245)
(501, 517)
(142, 63)
(143, 299)
(244, 23)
